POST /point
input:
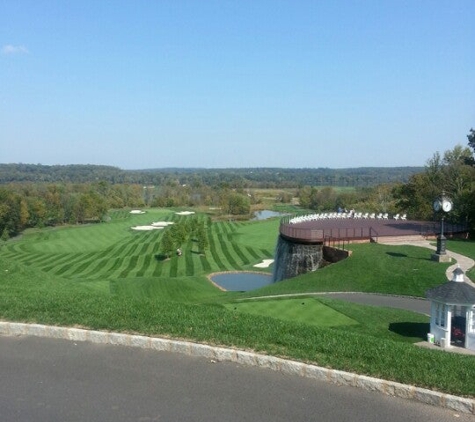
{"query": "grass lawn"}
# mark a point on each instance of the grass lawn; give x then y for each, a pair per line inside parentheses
(109, 277)
(372, 268)
(303, 310)
(464, 247)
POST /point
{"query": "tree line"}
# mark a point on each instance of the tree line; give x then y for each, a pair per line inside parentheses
(451, 173)
(232, 177)
(27, 205)
(40, 203)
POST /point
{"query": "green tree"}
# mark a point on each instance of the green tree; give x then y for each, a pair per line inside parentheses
(471, 140)
(238, 204)
(449, 173)
(167, 244)
(202, 240)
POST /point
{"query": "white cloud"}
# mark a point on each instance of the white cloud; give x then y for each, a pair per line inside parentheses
(14, 49)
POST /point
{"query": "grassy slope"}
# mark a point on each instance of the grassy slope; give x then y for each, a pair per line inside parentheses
(406, 270)
(67, 276)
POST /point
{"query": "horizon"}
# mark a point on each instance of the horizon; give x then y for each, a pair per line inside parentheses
(248, 84)
(212, 168)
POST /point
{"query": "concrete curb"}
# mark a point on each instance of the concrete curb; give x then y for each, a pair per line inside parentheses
(459, 404)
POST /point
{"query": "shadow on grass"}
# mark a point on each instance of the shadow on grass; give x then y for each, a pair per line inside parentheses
(161, 257)
(410, 329)
(403, 255)
(397, 254)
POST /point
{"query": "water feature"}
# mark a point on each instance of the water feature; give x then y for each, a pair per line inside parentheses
(265, 214)
(241, 281)
(292, 259)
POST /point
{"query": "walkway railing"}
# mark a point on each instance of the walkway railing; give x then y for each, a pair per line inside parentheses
(307, 235)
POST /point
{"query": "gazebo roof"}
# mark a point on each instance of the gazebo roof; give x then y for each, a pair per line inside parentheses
(454, 292)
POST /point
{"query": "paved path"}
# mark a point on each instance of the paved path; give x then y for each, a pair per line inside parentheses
(49, 380)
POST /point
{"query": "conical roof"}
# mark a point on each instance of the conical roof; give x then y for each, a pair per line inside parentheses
(455, 292)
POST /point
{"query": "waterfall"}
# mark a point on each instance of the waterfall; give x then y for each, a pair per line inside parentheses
(292, 259)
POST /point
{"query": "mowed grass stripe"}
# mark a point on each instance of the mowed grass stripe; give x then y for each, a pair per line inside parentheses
(205, 263)
(224, 228)
(130, 264)
(244, 259)
(119, 250)
(252, 252)
(80, 269)
(97, 270)
(189, 265)
(226, 253)
(49, 264)
(88, 268)
(173, 267)
(66, 269)
(267, 253)
(36, 259)
(145, 266)
(157, 271)
(147, 245)
(132, 249)
(214, 253)
(115, 265)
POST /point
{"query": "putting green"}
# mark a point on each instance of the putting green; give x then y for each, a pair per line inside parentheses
(305, 310)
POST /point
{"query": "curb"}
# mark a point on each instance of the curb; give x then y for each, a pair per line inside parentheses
(221, 354)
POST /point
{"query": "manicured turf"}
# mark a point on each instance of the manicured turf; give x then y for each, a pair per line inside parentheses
(114, 251)
(307, 311)
(405, 270)
(107, 276)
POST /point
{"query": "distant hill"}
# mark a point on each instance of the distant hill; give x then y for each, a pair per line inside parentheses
(232, 177)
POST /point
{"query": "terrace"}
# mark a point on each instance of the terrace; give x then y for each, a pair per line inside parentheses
(321, 228)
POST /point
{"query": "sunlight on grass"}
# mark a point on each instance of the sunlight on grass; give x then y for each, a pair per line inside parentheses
(307, 311)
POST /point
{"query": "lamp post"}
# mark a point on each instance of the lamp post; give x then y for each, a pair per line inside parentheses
(442, 204)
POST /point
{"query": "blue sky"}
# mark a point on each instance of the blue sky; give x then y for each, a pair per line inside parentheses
(151, 84)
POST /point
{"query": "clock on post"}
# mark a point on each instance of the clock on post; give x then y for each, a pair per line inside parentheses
(442, 203)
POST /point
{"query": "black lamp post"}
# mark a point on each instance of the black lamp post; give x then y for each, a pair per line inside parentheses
(441, 239)
(444, 204)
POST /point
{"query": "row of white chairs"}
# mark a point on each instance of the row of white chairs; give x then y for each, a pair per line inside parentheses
(343, 215)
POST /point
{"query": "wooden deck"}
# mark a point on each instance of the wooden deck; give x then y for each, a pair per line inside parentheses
(348, 229)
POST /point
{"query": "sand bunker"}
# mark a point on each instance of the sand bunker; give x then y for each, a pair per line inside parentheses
(137, 212)
(264, 264)
(147, 228)
(162, 223)
(156, 225)
(185, 213)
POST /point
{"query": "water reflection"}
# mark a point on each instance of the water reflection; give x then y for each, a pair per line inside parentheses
(241, 281)
(265, 214)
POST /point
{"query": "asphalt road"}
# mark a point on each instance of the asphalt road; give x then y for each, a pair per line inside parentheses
(48, 380)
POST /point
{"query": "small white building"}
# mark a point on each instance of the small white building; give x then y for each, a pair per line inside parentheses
(452, 316)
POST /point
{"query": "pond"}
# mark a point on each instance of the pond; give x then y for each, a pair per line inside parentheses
(241, 281)
(265, 214)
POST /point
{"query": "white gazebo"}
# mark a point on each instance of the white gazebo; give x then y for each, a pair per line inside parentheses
(452, 315)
